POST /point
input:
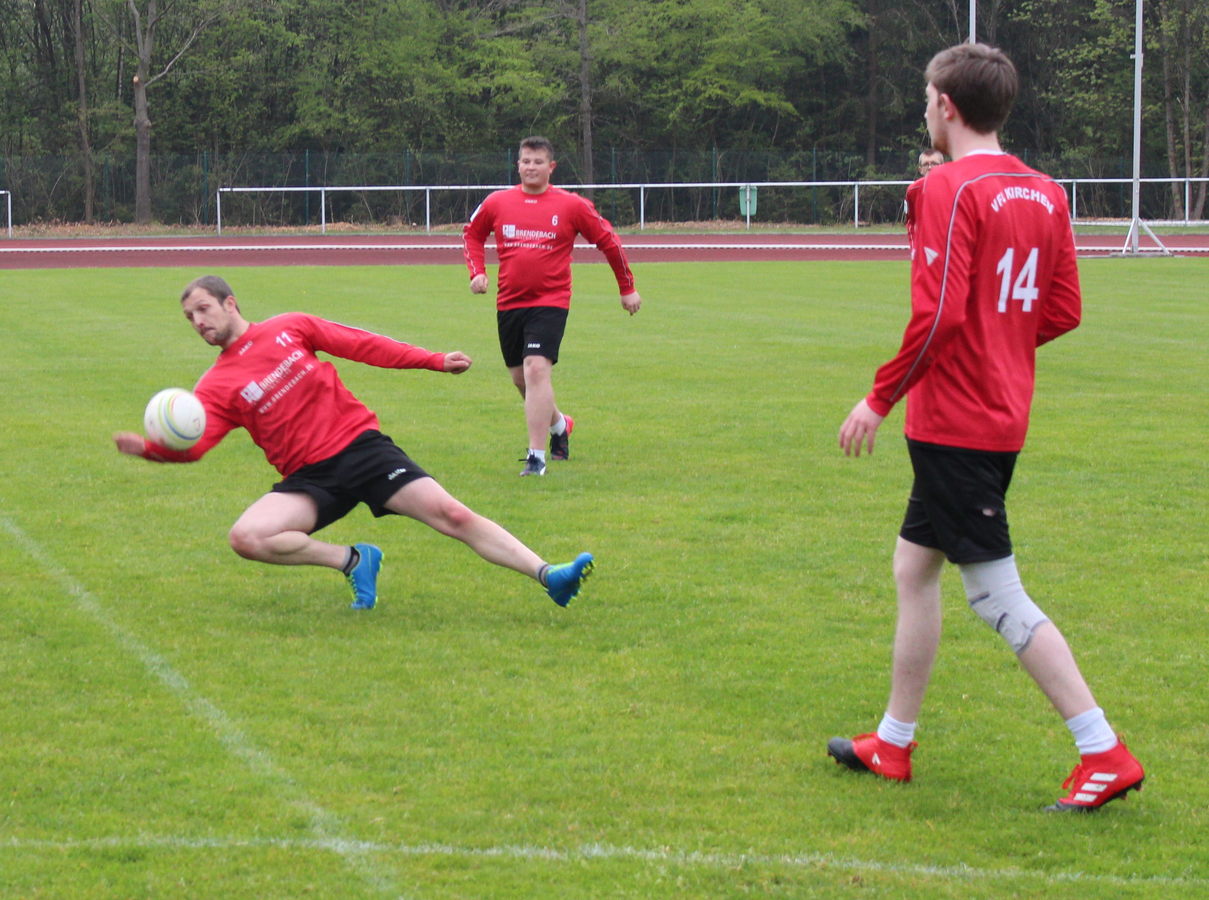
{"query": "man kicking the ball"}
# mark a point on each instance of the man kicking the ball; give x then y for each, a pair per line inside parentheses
(326, 445)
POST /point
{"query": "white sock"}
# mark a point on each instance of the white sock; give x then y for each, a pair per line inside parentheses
(560, 426)
(892, 731)
(1092, 732)
(540, 454)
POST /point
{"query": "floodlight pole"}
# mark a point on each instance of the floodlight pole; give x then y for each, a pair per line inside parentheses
(1136, 225)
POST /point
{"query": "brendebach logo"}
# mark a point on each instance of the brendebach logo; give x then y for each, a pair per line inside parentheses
(255, 390)
(511, 232)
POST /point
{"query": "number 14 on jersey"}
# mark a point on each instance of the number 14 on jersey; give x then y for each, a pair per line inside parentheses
(1024, 286)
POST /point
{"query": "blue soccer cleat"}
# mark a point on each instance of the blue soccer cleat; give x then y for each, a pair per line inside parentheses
(533, 465)
(564, 581)
(363, 579)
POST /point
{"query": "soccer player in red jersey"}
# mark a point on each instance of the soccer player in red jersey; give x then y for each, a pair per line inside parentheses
(928, 160)
(993, 277)
(535, 227)
(326, 444)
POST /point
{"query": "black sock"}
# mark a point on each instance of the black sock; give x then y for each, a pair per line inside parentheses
(354, 557)
(541, 574)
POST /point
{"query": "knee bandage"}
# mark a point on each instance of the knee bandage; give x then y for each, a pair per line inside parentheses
(996, 594)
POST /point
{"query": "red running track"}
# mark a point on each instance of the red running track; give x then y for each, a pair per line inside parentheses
(345, 250)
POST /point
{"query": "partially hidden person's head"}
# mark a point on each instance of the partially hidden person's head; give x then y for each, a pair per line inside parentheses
(979, 80)
(929, 159)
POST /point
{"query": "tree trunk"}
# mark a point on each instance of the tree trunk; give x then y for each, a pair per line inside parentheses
(142, 152)
(585, 96)
(144, 37)
(86, 160)
(1173, 165)
(873, 78)
(1186, 110)
(1202, 189)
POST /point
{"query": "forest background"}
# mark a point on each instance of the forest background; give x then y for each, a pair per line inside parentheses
(136, 110)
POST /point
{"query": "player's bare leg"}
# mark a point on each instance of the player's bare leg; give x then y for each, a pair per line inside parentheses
(917, 631)
(275, 529)
(535, 382)
(426, 501)
(1049, 661)
(887, 751)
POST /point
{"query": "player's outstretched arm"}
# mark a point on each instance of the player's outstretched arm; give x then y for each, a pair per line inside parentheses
(133, 444)
(631, 302)
(859, 428)
(130, 443)
(457, 362)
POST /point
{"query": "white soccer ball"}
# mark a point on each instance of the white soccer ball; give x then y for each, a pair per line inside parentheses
(175, 419)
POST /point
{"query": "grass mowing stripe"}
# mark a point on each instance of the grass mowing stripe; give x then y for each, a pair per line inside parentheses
(323, 823)
(590, 852)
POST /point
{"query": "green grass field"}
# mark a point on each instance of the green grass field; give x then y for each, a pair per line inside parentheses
(178, 722)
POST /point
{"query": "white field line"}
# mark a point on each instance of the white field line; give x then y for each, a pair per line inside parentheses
(590, 852)
(325, 826)
(327, 829)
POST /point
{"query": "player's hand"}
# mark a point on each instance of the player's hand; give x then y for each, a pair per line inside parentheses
(859, 428)
(457, 362)
(130, 443)
(631, 302)
(478, 284)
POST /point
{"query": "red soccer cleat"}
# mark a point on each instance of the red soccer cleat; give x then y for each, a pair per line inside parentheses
(1100, 777)
(560, 447)
(869, 753)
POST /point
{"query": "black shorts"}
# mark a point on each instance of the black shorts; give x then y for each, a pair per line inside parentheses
(530, 331)
(958, 502)
(370, 470)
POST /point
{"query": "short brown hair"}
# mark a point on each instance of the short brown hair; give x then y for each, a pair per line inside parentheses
(980, 80)
(537, 142)
(213, 285)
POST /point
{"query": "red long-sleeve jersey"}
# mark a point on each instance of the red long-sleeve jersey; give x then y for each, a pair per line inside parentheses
(292, 403)
(534, 237)
(911, 210)
(993, 276)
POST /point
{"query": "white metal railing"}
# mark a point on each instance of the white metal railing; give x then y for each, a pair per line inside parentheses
(644, 188)
(750, 189)
(1186, 182)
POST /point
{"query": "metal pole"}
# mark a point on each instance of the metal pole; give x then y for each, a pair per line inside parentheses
(1134, 225)
(323, 210)
(428, 210)
(973, 19)
(8, 202)
(642, 207)
(218, 209)
(856, 204)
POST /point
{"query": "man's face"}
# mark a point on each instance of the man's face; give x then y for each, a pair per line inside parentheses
(929, 161)
(935, 119)
(535, 167)
(212, 318)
